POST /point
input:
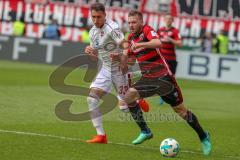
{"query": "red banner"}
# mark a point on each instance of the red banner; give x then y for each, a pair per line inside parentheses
(73, 19)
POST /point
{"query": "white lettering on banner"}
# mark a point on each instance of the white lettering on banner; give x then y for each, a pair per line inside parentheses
(217, 26)
(19, 10)
(3, 38)
(38, 13)
(28, 13)
(195, 28)
(209, 26)
(50, 47)
(231, 32)
(69, 16)
(47, 15)
(17, 48)
(7, 28)
(58, 13)
(30, 31)
(6, 11)
(41, 29)
(183, 27)
(34, 30)
(208, 67)
(78, 17)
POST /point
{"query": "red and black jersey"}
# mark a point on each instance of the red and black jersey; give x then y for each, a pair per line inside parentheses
(167, 48)
(152, 65)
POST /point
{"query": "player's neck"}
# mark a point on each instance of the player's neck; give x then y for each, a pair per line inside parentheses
(169, 26)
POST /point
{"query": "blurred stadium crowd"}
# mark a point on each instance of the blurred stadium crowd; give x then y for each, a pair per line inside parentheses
(205, 25)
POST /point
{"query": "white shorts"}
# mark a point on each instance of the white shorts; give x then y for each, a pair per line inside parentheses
(105, 79)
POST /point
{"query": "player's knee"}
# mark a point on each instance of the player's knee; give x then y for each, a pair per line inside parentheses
(131, 95)
(92, 102)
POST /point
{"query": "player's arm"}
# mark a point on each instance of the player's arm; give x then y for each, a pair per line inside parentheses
(176, 40)
(89, 49)
(154, 43)
(153, 40)
(118, 36)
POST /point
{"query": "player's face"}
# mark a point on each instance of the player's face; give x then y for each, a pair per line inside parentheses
(98, 18)
(168, 20)
(135, 24)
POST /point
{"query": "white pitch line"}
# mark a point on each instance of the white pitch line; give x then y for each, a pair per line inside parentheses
(81, 140)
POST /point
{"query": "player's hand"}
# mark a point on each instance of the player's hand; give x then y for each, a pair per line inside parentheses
(115, 57)
(89, 50)
(135, 47)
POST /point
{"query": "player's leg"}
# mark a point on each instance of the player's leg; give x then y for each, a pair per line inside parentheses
(192, 120)
(99, 87)
(93, 104)
(131, 98)
(175, 99)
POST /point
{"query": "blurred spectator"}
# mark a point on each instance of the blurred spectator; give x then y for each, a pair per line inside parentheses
(222, 43)
(19, 27)
(52, 31)
(170, 38)
(207, 43)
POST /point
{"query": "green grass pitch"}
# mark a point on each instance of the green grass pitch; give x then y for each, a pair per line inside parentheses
(30, 130)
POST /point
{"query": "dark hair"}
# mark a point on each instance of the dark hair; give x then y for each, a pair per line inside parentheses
(97, 7)
(135, 13)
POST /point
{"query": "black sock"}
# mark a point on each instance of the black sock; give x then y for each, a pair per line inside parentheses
(193, 122)
(137, 115)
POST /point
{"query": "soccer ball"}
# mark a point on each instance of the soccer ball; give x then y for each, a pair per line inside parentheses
(169, 147)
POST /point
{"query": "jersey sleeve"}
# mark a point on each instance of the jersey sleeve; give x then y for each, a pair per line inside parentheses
(117, 35)
(149, 33)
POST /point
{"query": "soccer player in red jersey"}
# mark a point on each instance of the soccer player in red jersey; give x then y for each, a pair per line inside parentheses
(170, 38)
(156, 79)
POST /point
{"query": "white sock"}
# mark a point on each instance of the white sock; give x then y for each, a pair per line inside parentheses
(96, 115)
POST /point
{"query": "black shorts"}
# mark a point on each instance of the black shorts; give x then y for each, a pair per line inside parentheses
(172, 66)
(166, 87)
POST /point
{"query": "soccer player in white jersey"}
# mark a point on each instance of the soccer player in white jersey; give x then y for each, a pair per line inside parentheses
(105, 35)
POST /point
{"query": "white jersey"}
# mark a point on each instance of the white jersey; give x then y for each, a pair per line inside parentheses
(106, 40)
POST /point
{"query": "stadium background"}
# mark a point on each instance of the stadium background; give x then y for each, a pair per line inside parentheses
(29, 128)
